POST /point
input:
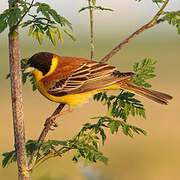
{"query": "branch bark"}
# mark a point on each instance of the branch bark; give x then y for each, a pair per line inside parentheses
(42, 137)
(152, 23)
(91, 30)
(17, 105)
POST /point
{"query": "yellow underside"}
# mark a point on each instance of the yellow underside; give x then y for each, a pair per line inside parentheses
(75, 99)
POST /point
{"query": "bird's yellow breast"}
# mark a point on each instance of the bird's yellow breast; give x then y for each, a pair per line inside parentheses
(73, 99)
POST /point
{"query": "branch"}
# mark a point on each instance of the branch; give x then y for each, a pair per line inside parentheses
(91, 30)
(152, 23)
(17, 103)
(43, 135)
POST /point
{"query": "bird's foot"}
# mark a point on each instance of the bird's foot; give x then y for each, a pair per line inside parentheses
(51, 122)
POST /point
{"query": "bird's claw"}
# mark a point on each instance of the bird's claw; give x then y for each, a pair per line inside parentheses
(51, 123)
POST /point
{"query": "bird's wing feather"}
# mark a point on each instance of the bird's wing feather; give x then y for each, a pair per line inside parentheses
(88, 76)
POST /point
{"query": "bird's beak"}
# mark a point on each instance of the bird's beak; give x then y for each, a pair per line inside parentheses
(28, 69)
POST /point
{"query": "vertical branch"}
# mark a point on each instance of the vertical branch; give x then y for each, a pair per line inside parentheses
(91, 30)
(17, 107)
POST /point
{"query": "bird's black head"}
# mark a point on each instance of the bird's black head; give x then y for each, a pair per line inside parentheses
(41, 61)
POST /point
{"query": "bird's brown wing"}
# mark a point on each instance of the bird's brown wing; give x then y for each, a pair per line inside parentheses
(88, 76)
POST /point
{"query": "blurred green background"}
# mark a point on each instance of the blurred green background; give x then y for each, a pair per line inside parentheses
(151, 157)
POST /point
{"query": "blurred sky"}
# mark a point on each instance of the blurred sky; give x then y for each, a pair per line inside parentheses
(111, 27)
(124, 11)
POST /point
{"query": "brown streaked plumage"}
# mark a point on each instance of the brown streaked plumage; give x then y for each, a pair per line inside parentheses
(72, 80)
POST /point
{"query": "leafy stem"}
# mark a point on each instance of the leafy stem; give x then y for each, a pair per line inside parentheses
(63, 149)
(50, 155)
(40, 161)
(152, 23)
(22, 17)
(154, 20)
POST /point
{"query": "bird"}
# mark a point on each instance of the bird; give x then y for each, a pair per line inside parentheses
(72, 80)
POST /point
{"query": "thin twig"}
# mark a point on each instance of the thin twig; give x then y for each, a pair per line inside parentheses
(91, 30)
(42, 137)
(152, 23)
(52, 155)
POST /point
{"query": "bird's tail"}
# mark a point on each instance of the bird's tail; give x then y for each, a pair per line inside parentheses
(156, 96)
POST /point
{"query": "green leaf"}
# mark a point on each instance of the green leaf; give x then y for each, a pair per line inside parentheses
(34, 33)
(97, 96)
(103, 9)
(95, 144)
(94, 2)
(103, 135)
(33, 82)
(142, 113)
(103, 159)
(14, 15)
(125, 130)
(3, 16)
(8, 76)
(31, 29)
(9, 157)
(141, 131)
(129, 133)
(135, 67)
(157, 1)
(59, 35)
(172, 18)
(64, 22)
(126, 108)
(25, 76)
(26, 23)
(96, 8)
(84, 8)
(114, 126)
(12, 20)
(40, 36)
(55, 15)
(69, 34)
(14, 1)
(128, 129)
(132, 110)
(30, 145)
(144, 70)
(25, 7)
(3, 26)
(52, 35)
(122, 105)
